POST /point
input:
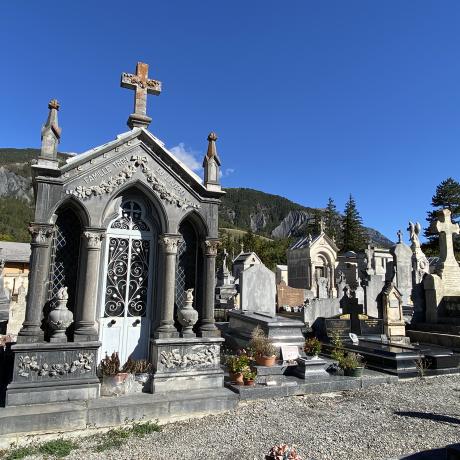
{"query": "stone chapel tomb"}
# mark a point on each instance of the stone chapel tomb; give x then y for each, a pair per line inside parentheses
(127, 229)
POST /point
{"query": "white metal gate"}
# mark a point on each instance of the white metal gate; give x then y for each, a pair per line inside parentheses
(126, 313)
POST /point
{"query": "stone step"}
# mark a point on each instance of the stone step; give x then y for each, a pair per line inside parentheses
(109, 412)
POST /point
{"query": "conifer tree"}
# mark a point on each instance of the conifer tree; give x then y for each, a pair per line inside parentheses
(332, 222)
(354, 236)
(447, 195)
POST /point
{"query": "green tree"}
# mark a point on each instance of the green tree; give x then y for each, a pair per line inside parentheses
(332, 222)
(447, 195)
(354, 236)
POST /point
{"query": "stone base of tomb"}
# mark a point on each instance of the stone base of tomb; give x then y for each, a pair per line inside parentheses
(307, 367)
(186, 364)
(20, 424)
(279, 329)
(51, 372)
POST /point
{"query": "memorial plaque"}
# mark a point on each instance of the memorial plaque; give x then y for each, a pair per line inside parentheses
(289, 352)
(337, 326)
(371, 326)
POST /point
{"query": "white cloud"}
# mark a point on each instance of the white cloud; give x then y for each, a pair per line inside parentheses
(187, 156)
(226, 172)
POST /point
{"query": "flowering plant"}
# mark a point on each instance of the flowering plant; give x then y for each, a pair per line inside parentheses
(283, 452)
(238, 363)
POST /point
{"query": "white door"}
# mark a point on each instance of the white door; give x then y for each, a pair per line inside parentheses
(126, 313)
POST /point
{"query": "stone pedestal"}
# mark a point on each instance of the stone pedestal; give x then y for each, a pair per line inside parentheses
(307, 367)
(51, 372)
(186, 364)
(280, 330)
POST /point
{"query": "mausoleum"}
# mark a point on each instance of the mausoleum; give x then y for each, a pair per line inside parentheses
(121, 233)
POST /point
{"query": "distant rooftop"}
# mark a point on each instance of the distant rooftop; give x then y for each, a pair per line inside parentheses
(15, 252)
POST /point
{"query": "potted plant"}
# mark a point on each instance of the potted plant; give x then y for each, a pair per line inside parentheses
(237, 364)
(312, 347)
(113, 379)
(249, 376)
(352, 364)
(264, 350)
(142, 371)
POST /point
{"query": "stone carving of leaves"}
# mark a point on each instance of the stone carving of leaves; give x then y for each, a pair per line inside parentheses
(27, 365)
(126, 173)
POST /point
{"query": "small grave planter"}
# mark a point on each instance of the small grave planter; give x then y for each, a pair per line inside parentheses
(358, 372)
(250, 382)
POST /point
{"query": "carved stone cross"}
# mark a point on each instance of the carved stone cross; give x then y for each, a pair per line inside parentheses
(446, 230)
(142, 86)
(321, 225)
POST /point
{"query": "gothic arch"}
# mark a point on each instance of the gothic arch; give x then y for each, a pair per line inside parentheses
(73, 203)
(154, 206)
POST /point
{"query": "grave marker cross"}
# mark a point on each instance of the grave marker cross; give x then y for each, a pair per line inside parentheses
(446, 230)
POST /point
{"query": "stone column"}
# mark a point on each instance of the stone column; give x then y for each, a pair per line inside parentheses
(40, 260)
(208, 327)
(85, 329)
(166, 328)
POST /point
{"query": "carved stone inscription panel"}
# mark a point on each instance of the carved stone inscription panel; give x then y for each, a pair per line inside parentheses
(113, 175)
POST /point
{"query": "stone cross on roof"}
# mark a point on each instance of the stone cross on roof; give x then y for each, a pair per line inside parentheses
(446, 230)
(142, 86)
(321, 225)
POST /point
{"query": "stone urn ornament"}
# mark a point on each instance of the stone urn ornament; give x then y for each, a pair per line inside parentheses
(187, 315)
(60, 318)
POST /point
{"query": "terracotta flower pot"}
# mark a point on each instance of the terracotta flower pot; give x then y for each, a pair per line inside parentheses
(250, 382)
(236, 378)
(266, 360)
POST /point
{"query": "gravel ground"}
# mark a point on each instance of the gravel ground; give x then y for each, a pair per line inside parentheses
(377, 423)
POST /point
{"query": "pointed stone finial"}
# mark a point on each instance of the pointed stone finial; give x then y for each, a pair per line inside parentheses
(50, 135)
(211, 165)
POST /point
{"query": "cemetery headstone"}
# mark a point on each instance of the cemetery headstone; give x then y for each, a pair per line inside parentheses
(340, 327)
(322, 288)
(354, 309)
(402, 256)
(258, 290)
(420, 267)
(370, 326)
(445, 283)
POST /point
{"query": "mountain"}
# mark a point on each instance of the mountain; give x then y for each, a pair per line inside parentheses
(269, 215)
(274, 216)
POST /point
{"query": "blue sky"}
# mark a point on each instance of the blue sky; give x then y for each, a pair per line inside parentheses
(310, 99)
